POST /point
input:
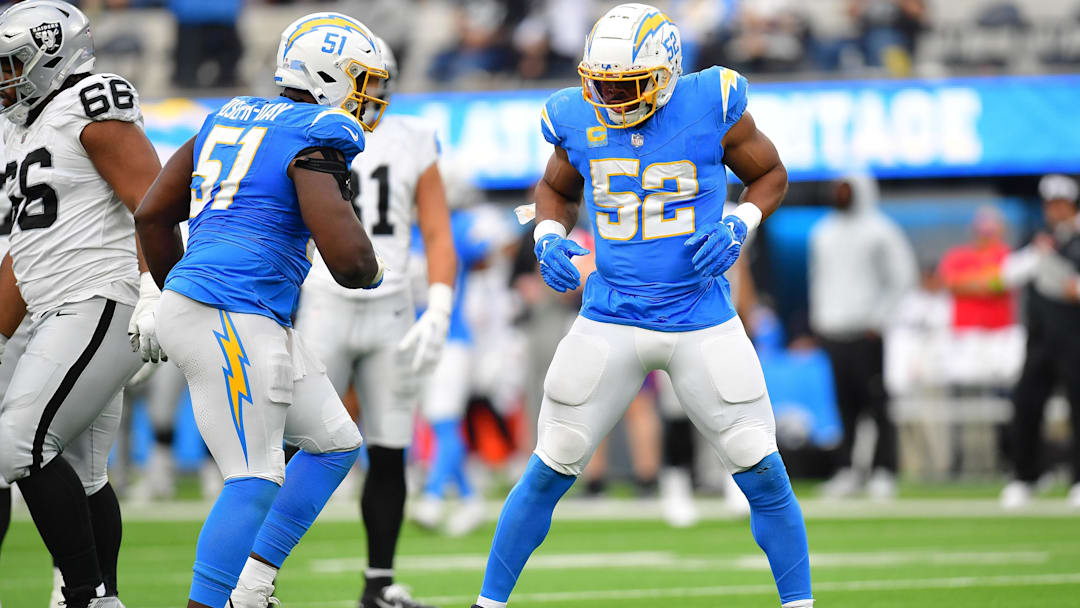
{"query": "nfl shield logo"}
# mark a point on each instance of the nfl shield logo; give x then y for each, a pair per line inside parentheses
(637, 140)
(48, 37)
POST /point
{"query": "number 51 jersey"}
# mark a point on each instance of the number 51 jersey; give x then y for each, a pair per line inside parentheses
(647, 189)
(72, 238)
(248, 248)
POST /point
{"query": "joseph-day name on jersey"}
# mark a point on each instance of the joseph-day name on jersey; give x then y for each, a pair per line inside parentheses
(248, 248)
(648, 188)
(71, 237)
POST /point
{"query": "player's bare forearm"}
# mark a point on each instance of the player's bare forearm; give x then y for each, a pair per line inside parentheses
(433, 216)
(558, 194)
(125, 159)
(157, 219)
(12, 306)
(751, 155)
(330, 217)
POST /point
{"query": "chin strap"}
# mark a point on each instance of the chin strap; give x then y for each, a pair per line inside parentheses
(330, 163)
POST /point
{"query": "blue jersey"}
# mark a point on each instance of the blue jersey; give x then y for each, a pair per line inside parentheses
(248, 250)
(647, 189)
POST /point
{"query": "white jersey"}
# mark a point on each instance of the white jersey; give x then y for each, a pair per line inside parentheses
(72, 238)
(385, 175)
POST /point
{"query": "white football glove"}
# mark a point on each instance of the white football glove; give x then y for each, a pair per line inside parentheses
(142, 329)
(428, 335)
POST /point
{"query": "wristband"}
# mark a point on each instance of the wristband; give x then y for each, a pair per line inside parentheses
(547, 227)
(440, 298)
(750, 214)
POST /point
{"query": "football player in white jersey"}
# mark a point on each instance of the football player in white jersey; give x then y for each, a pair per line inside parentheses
(77, 164)
(371, 339)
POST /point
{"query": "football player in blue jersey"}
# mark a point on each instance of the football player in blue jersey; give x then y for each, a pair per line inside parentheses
(648, 146)
(262, 180)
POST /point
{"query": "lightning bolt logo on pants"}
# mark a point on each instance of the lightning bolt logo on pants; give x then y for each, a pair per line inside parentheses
(236, 380)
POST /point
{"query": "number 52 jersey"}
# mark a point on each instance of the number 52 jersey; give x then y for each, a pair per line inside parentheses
(647, 189)
(72, 238)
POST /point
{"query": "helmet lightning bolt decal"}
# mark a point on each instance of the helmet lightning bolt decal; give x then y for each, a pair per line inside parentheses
(236, 380)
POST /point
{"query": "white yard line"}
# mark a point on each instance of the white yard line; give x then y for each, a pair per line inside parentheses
(957, 582)
(666, 560)
(649, 509)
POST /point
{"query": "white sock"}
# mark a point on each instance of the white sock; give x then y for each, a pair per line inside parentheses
(483, 602)
(257, 573)
(799, 604)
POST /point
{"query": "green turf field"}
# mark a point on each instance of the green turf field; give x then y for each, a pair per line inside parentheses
(918, 553)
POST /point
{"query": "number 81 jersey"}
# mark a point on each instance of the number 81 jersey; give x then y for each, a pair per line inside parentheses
(71, 237)
(647, 189)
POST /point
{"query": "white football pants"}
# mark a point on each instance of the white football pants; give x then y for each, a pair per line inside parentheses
(358, 340)
(253, 383)
(598, 368)
(65, 393)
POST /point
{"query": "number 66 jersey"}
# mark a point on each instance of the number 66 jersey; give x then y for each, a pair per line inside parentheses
(72, 239)
(647, 189)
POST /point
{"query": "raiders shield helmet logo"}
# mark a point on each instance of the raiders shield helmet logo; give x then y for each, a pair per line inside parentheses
(48, 36)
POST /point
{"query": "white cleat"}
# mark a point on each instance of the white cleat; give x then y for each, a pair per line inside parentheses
(252, 596)
(844, 484)
(1015, 495)
(469, 516)
(1074, 496)
(56, 598)
(881, 486)
(428, 511)
(677, 498)
(105, 602)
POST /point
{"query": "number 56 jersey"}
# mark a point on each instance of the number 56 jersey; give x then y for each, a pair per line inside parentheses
(72, 238)
(647, 189)
(248, 248)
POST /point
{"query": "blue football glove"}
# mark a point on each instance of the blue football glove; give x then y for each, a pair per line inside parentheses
(554, 253)
(717, 246)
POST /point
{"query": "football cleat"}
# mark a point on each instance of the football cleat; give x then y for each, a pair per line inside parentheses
(391, 596)
(56, 598)
(253, 596)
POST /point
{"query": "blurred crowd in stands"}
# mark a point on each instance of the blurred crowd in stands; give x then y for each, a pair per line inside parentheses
(503, 43)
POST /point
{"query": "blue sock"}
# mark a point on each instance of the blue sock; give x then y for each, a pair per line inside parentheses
(776, 522)
(227, 537)
(448, 465)
(310, 480)
(523, 524)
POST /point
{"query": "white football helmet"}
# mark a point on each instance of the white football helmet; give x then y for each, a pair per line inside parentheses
(42, 42)
(336, 59)
(633, 58)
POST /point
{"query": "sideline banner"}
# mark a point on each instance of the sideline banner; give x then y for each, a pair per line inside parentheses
(954, 127)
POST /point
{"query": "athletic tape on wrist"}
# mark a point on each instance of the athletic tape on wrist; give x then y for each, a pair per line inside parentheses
(750, 214)
(547, 227)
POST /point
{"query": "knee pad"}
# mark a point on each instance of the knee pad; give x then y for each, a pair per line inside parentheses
(746, 446)
(565, 446)
(576, 369)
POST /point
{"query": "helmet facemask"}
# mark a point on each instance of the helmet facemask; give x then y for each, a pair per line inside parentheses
(366, 100)
(623, 98)
(15, 68)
